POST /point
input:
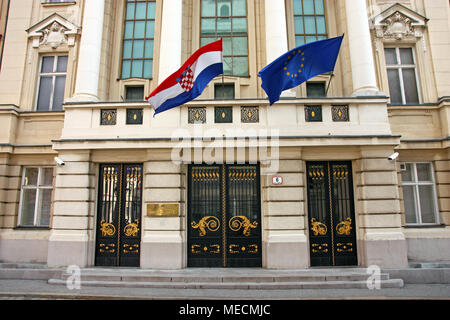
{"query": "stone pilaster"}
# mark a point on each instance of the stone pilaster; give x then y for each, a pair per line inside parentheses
(442, 179)
(9, 192)
(380, 238)
(283, 211)
(163, 244)
(72, 236)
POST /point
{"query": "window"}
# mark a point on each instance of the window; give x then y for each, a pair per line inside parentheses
(36, 197)
(419, 194)
(134, 93)
(309, 21)
(224, 91)
(402, 78)
(315, 89)
(227, 19)
(52, 83)
(138, 39)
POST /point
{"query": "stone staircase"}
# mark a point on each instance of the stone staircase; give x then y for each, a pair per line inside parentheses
(255, 279)
(202, 278)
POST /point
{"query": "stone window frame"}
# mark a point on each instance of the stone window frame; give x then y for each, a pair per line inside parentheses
(52, 36)
(117, 88)
(54, 74)
(57, 2)
(38, 188)
(317, 35)
(402, 27)
(331, 30)
(415, 182)
(400, 67)
(133, 39)
(245, 86)
(231, 36)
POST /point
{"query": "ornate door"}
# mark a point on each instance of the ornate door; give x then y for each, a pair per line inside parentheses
(224, 216)
(119, 215)
(331, 214)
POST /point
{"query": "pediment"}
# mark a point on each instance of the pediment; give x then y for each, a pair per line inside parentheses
(53, 31)
(399, 22)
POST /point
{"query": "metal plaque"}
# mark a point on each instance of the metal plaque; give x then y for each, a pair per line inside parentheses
(162, 209)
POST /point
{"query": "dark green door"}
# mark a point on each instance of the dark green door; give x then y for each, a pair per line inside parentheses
(119, 215)
(331, 214)
(224, 216)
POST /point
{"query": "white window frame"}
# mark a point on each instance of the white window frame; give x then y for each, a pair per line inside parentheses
(400, 68)
(53, 75)
(38, 188)
(416, 183)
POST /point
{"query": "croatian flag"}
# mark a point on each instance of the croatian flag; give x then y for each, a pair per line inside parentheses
(190, 80)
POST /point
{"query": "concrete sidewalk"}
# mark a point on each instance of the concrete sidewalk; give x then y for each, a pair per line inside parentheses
(32, 289)
(25, 281)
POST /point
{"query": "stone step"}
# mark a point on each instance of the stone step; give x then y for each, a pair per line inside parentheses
(129, 277)
(16, 265)
(355, 284)
(29, 274)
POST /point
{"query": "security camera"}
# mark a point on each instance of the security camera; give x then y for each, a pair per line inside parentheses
(393, 156)
(59, 161)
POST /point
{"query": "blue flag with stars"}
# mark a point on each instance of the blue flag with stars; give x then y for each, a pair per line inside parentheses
(298, 65)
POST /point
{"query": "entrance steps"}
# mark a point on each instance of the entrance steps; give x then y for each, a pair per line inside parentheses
(256, 279)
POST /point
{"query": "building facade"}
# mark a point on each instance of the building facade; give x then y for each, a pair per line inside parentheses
(350, 168)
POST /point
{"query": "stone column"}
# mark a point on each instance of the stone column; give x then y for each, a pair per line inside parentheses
(380, 237)
(169, 56)
(88, 70)
(361, 54)
(72, 237)
(170, 49)
(276, 34)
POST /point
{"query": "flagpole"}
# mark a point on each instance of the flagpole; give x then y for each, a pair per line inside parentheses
(329, 82)
(223, 80)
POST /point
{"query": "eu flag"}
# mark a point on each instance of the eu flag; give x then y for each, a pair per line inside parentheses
(299, 65)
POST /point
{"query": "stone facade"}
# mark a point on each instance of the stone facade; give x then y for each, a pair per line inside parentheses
(90, 33)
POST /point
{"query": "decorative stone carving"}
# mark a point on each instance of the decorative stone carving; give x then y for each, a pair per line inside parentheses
(398, 26)
(54, 35)
(398, 23)
(53, 31)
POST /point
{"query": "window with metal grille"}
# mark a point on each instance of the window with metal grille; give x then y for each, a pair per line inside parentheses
(419, 193)
(138, 39)
(36, 197)
(227, 19)
(309, 21)
(52, 83)
(402, 75)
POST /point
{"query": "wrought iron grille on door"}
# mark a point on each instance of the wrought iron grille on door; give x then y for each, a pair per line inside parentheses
(224, 216)
(331, 214)
(119, 215)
